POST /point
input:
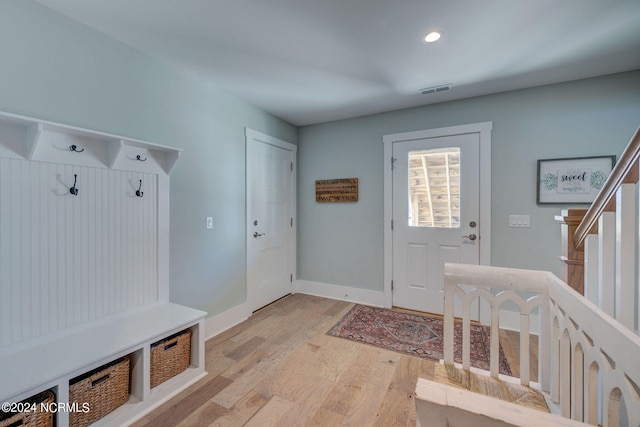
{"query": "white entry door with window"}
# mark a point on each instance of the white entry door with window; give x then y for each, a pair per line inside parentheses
(435, 211)
(270, 218)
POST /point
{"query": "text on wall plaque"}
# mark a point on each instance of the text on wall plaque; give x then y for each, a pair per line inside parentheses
(337, 190)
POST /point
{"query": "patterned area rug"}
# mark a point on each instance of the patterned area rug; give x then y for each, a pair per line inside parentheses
(415, 335)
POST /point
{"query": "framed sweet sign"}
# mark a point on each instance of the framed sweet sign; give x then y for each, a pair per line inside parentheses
(572, 180)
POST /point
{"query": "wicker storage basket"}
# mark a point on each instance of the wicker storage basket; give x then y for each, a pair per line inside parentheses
(104, 389)
(170, 356)
(34, 417)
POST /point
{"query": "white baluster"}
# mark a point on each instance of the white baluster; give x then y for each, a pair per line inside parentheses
(605, 402)
(607, 264)
(565, 375)
(466, 336)
(449, 295)
(591, 394)
(626, 234)
(524, 349)
(591, 264)
(555, 362)
(544, 344)
(577, 384)
(495, 341)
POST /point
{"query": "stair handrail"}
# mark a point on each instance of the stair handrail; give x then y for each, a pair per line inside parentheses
(625, 171)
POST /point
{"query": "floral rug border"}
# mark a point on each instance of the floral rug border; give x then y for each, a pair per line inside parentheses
(414, 334)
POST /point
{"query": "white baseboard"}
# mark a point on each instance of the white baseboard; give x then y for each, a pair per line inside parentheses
(510, 320)
(342, 293)
(219, 323)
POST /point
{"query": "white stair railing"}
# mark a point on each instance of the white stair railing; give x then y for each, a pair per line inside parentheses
(597, 356)
(589, 363)
(496, 286)
(609, 234)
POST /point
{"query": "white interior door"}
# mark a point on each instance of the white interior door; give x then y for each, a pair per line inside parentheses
(436, 210)
(270, 215)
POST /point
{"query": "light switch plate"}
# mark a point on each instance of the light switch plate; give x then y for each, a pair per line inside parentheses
(520, 221)
(209, 222)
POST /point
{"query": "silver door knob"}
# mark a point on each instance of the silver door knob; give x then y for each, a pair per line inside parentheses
(470, 237)
(256, 234)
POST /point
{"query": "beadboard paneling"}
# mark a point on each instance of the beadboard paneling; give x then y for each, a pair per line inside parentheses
(66, 260)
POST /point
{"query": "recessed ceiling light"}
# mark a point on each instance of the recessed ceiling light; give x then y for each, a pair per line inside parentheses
(432, 37)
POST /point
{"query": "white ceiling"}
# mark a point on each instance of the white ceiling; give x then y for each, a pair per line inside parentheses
(309, 61)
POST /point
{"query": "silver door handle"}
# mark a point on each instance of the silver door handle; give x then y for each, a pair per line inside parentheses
(256, 234)
(470, 237)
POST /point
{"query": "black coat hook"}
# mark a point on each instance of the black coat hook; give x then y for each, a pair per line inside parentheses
(139, 193)
(74, 147)
(138, 157)
(73, 190)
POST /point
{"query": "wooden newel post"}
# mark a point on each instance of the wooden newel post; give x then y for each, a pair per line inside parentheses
(572, 257)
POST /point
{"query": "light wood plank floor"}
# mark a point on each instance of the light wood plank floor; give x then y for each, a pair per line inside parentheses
(278, 368)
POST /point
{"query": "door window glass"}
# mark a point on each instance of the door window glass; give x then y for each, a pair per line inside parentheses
(434, 188)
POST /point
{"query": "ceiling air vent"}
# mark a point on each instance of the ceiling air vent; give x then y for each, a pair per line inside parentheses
(436, 89)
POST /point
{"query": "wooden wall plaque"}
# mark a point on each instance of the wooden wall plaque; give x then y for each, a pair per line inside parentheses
(337, 190)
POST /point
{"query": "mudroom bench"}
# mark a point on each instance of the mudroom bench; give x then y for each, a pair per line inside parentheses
(84, 276)
(49, 362)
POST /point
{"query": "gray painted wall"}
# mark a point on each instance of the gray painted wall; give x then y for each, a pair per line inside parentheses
(56, 69)
(341, 243)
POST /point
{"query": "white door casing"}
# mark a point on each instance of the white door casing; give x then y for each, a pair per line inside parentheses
(421, 242)
(270, 231)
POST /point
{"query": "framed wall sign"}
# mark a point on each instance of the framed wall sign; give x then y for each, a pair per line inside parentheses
(572, 180)
(337, 190)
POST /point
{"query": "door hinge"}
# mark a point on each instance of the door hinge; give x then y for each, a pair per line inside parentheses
(393, 161)
(291, 166)
(292, 222)
(291, 279)
(392, 285)
(392, 224)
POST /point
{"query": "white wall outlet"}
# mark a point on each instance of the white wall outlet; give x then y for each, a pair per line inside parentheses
(209, 223)
(520, 221)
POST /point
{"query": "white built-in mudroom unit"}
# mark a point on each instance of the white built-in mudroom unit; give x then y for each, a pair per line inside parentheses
(84, 275)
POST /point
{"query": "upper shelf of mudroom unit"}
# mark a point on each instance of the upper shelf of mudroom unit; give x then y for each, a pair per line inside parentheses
(32, 139)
